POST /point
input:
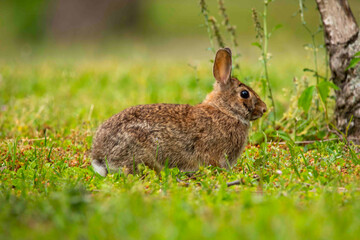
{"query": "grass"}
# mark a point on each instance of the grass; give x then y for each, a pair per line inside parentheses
(49, 110)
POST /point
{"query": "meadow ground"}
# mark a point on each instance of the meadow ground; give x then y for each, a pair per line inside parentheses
(50, 108)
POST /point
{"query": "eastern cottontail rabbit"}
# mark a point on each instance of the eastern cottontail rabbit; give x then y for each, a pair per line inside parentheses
(213, 132)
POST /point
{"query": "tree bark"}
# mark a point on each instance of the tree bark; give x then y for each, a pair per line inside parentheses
(343, 42)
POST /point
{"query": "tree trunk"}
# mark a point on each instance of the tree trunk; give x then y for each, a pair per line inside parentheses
(343, 42)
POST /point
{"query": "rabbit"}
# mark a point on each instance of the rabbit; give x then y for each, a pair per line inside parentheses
(213, 132)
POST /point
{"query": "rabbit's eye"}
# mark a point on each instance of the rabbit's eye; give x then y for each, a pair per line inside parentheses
(244, 94)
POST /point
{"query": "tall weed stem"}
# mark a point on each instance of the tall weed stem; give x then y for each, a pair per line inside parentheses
(216, 30)
(313, 42)
(205, 13)
(265, 57)
(230, 28)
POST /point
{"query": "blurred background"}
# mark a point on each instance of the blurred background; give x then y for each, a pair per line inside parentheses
(85, 60)
(138, 27)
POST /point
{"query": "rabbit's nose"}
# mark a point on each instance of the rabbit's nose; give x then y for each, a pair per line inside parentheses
(264, 110)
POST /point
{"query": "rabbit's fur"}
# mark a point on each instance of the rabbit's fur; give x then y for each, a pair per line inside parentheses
(211, 133)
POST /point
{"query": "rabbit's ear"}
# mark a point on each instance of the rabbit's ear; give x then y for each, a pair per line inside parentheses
(222, 66)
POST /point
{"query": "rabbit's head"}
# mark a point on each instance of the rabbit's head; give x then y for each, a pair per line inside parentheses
(230, 95)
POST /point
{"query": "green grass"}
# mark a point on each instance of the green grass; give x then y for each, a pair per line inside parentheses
(50, 108)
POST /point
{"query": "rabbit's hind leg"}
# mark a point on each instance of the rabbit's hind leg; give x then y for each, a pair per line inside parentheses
(146, 154)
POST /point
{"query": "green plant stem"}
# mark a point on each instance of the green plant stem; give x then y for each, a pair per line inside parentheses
(265, 53)
(226, 22)
(205, 13)
(216, 31)
(313, 41)
(230, 29)
(326, 64)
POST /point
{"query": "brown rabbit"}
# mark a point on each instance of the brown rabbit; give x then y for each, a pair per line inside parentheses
(211, 133)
